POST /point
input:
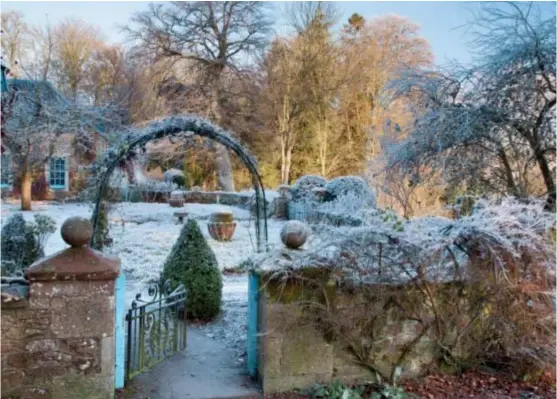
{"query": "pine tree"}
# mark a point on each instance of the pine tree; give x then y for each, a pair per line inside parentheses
(192, 262)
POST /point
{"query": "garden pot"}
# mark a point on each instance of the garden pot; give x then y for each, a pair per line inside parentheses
(221, 217)
(176, 202)
(176, 199)
(221, 231)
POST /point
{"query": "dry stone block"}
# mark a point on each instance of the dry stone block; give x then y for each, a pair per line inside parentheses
(42, 345)
(11, 379)
(85, 317)
(107, 355)
(271, 356)
(291, 382)
(90, 387)
(304, 351)
(65, 289)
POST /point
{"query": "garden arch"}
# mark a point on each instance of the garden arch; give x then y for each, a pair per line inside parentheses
(181, 126)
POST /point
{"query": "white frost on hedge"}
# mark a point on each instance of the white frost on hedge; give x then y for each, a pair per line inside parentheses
(170, 174)
(353, 185)
(157, 186)
(434, 247)
(302, 189)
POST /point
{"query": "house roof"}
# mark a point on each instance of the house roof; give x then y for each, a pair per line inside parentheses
(108, 118)
(43, 89)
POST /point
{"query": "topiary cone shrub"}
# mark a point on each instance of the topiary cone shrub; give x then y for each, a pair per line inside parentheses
(192, 262)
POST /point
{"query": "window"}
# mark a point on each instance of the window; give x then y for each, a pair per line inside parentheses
(6, 171)
(57, 173)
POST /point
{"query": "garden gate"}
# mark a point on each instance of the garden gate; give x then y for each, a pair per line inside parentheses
(151, 330)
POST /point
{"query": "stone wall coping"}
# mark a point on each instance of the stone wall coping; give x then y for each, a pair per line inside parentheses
(78, 262)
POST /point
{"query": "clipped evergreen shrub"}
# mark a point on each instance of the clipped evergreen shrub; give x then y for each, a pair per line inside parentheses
(179, 180)
(19, 245)
(192, 262)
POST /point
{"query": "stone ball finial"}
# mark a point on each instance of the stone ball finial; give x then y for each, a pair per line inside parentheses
(77, 231)
(294, 234)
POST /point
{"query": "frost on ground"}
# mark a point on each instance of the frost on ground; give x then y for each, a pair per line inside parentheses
(231, 326)
(144, 234)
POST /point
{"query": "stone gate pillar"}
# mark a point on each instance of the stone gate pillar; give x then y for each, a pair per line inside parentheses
(73, 291)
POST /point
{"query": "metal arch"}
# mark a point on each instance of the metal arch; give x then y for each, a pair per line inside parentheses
(173, 126)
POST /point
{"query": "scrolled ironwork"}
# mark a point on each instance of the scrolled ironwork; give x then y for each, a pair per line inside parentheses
(156, 328)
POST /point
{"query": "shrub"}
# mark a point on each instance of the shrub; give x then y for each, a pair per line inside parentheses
(489, 276)
(179, 180)
(352, 185)
(23, 243)
(303, 187)
(42, 228)
(193, 263)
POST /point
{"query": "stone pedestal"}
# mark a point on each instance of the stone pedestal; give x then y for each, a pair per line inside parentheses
(61, 344)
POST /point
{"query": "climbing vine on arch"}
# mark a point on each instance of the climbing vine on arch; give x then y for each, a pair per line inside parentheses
(177, 127)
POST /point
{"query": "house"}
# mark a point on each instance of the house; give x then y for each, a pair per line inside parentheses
(65, 172)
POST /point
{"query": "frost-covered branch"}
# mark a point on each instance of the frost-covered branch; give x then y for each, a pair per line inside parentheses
(485, 125)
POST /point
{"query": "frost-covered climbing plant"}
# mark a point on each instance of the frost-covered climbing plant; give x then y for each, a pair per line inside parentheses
(136, 139)
(489, 275)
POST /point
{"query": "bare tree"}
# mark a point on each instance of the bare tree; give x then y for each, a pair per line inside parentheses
(490, 127)
(34, 117)
(303, 14)
(14, 39)
(215, 37)
(41, 54)
(283, 101)
(75, 43)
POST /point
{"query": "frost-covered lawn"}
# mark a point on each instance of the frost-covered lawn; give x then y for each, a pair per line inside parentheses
(144, 234)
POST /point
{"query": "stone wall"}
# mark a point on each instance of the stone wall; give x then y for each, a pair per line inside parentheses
(276, 207)
(58, 342)
(294, 352)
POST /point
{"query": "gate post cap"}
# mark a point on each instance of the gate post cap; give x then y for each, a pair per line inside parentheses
(78, 262)
(77, 231)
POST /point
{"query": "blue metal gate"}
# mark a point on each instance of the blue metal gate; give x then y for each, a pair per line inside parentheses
(150, 331)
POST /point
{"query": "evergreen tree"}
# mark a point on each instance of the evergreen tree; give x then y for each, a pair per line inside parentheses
(192, 262)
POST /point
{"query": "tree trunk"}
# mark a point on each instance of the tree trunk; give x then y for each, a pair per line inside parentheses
(287, 166)
(283, 176)
(511, 186)
(225, 177)
(548, 180)
(26, 181)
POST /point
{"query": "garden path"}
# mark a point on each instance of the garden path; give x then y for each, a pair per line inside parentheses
(205, 369)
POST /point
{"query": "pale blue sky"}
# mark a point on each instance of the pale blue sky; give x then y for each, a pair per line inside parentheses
(439, 20)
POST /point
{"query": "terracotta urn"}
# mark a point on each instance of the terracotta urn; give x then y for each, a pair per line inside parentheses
(221, 226)
(294, 234)
(176, 199)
